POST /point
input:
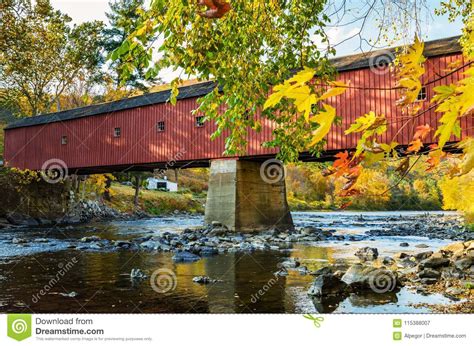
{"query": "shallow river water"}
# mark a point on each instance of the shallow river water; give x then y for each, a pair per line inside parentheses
(47, 276)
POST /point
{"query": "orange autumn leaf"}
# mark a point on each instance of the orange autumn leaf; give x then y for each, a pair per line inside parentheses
(415, 146)
(434, 157)
(422, 131)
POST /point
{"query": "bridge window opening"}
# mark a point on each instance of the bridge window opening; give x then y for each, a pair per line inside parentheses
(422, 95)
(200, 121)
(63, 140)
(160, 126)
(117, 132)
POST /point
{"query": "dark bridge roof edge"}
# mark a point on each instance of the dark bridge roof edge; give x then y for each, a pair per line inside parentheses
(346, 63)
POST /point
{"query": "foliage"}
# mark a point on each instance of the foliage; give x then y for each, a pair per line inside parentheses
(410, 69)
(97, 184)
(457, 194)
(124, 19)
(256, 44)
(25, 193)
(309, 189)
(42, 55)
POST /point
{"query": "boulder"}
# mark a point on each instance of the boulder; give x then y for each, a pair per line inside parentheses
(401, 255)
(421, 246)
(429, 281)
(404, 244)
(327, 284)
(387, 260)
(216, 224)
(185, 257)
(464, 263)
(379, 280)
(454, 247)
(150, 245)
(423, 255)
(435, 262)
(367, 254)
(218, 232)
(406, 263)
(429, 273)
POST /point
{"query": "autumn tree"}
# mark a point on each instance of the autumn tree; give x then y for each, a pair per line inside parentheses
(125, 17)
(42, 55)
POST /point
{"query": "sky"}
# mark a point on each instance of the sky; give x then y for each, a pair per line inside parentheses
(432, 28)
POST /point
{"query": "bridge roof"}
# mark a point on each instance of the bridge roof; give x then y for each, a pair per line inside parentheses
(346, 63)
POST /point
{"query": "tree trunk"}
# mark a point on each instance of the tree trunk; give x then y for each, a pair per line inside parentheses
(108, 184)
(138, 183)
(176, 175)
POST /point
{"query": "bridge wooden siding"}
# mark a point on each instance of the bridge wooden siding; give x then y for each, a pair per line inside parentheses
(91, 145)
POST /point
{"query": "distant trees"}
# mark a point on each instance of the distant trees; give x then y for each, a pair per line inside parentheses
(124, 19)
(42, 55)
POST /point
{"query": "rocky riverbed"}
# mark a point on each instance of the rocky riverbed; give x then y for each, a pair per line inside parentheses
(332, 256)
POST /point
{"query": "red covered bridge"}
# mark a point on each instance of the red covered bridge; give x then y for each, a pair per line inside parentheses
(146, 132)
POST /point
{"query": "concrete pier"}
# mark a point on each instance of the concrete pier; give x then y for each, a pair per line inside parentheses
(247, 195)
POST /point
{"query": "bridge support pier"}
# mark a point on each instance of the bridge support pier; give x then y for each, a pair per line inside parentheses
(247, 195)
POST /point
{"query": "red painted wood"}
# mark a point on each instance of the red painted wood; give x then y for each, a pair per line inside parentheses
(91, 141)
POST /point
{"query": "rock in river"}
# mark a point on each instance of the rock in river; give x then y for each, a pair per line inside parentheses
(204, 280)
(464, 263)
(137, 274)
(327, 284)
(435, 262)
(90, 239)
(185, 257)
(429, 273)
(380, 280)
(367, 254)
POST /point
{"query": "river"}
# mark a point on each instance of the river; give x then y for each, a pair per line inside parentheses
(46, 274)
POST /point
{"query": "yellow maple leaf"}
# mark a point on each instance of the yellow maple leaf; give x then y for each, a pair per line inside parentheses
(410, 69)
(302, 77)
(325, 119)
(294, 88)
(467, 163)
